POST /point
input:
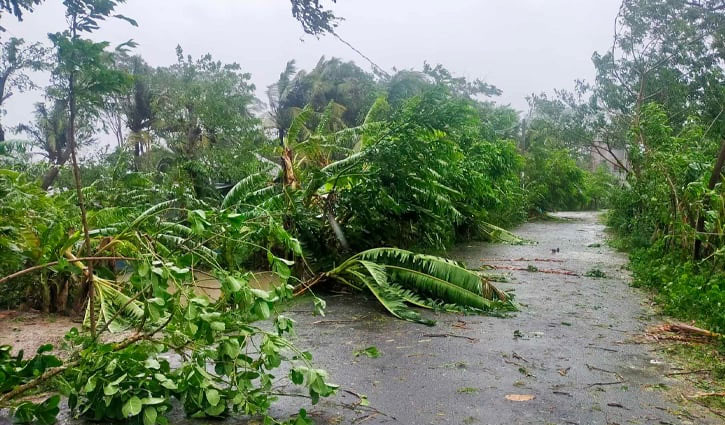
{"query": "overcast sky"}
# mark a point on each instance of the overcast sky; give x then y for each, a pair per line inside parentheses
(521, 46)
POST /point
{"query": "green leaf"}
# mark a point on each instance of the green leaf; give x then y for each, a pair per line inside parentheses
(146, 401)
(132, 407)
(110, 389)
(149, 415)
(212, 396)
(152, 363)
(371, 352)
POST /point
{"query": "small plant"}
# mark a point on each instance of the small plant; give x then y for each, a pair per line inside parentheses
(596, 273)
(371, 352)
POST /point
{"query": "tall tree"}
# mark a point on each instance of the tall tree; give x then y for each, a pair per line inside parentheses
(16, 58)
(137, 106)
(333, 80)
(280, 114)
(664, 51)
(83, 75)
(199, 104)
(131, 109)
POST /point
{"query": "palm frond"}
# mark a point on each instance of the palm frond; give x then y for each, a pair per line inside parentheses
(397, 277)
(497, 234)
(244, 188)
(114, 308)
(298, 124)
(389, 299)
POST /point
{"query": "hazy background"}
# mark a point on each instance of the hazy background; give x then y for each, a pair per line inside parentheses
(521, 46)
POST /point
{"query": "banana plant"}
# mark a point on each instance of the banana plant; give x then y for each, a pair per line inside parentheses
(400, 278)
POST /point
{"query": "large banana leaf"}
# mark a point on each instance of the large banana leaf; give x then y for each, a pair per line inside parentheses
(245, 187)
(433, 275)
(397, 278)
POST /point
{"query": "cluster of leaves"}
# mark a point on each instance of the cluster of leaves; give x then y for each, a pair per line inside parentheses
(14, 371)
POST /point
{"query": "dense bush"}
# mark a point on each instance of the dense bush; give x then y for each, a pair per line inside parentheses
(685, 288)
(430, 178)
(554, 181)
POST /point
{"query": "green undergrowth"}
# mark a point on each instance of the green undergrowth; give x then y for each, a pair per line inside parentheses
(685, 289)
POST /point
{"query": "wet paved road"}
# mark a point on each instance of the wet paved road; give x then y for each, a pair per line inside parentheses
(570, 347)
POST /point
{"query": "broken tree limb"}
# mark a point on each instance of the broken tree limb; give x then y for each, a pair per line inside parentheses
(450, 336)
(53, 263)
(681, 327)
(524, 269)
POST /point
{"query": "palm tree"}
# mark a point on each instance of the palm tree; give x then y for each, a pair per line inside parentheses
(49, 133)
(280, 113)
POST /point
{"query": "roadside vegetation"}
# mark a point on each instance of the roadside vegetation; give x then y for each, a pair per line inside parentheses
(344, 177)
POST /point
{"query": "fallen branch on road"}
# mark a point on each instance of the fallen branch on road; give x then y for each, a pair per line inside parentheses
(535, 270)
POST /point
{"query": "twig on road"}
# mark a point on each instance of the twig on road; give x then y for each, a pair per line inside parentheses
(451, 336)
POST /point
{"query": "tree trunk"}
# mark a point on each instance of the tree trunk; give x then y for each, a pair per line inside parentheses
(290, 180)
(52, 173)
(714, 179)
(88, 273)
(50, 177)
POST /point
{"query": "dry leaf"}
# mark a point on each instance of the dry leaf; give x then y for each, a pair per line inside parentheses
(520, 397)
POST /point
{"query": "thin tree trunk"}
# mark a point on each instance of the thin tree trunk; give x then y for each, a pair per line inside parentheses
(88, 273)
(714, 179)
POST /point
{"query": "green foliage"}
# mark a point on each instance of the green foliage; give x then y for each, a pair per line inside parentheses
(685, 288)
(14, 370)
(555, 182)
(426, 177)
(396, 277)
(371, 352)
(595, 272)
(43, 413)
(115, 381)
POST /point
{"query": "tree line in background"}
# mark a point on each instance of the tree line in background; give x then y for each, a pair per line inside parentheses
(332, 179)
